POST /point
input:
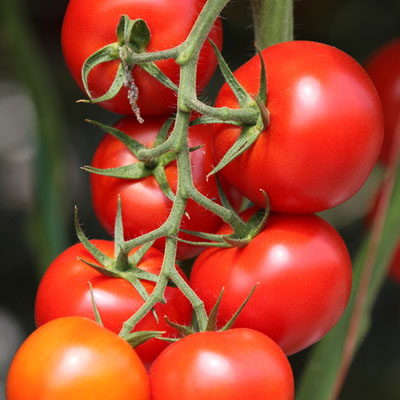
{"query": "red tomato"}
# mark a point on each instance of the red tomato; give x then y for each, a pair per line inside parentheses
(325, 133)
(90, 25)
(238, 364)
(303, 272)
(144, 205)
(75, 358)
(64, 291)
(384, 69)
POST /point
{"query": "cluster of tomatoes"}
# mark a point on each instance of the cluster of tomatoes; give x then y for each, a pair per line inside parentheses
(323, 139)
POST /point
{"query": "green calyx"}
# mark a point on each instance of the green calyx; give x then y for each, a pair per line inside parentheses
(133, 37)
(249, 133)
(240, 238)
(122, 265)
(140, 169)
(212, 321)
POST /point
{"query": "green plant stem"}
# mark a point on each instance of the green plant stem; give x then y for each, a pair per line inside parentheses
(246, 116)
(187, 58)
(197, 36)
(273, 21)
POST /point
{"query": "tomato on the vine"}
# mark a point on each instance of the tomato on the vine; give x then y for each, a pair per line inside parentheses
(90, 25)
(302, 270)
(384, 69)
(64, 291)
(237, 364)
(325, 131)
(75, 358)
(144, 205)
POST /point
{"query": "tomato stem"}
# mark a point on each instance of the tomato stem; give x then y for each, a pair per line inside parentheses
(273, 21)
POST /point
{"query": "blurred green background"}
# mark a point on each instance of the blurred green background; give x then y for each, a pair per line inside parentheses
(44, 140)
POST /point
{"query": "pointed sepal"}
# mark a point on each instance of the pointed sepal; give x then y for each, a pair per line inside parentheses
(139, 337)
(238, 90)
(247, 137)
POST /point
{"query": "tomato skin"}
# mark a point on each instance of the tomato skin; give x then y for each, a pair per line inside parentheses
(75, 358)
(64, 291)
(237, 364)
(303, 274)
(144, 206)
(325, 133)
(394, 270)
(384, 69)
(90, 25)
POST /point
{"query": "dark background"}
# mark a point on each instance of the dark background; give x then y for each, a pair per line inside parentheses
(356, 26)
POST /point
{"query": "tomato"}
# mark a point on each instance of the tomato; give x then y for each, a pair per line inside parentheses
(64, 291)
(325, 131)
(303, 272)
(237, 364)
(144, 205)
(75, 358)
(384, 69)
(90, 25)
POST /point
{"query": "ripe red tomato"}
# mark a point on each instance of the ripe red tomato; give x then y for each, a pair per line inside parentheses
(90, 25)
(237, 364)
(384, 69)
(325, 133)
(75, 358)
(144, 205)
(64, 291)
(303, 272)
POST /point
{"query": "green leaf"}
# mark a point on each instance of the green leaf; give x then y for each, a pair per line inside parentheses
(204, 235)
(103, 259)
(139, 337)
(222, 196)
(133, 145)
(212, 317)
(320, 376)
(205, 120)
(182, 329)
(161, 178)
(97, 59)
(248, 136)
(204, 244)
(94, 306)
(140, 274)
(138, 34)
(262, 92)
(230, 323)
(136, 170)
(136, 257)
(102, 270)
(242, 96)
(163, 133)
(118, 229)
(152, 69)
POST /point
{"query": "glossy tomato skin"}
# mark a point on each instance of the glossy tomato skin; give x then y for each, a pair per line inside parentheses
(64, 291)
(144, 206)
(303, 275)
(325, 130)
(90, 25)
(384, 69)
(237, 364)
(75, 358)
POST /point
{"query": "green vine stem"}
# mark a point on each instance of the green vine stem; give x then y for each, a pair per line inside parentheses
(249, 115)
(273, 21)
